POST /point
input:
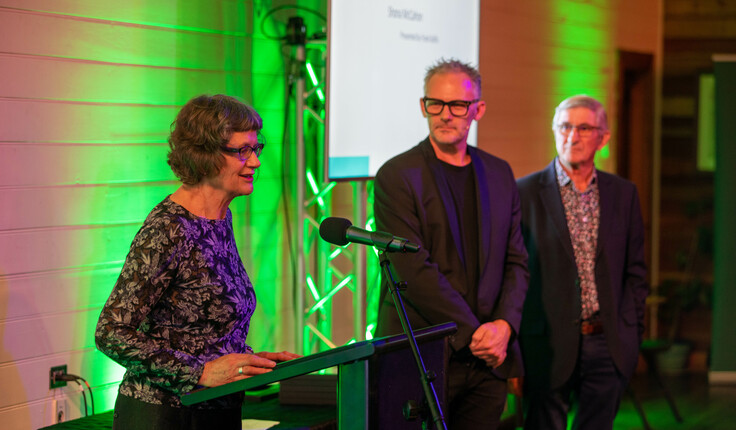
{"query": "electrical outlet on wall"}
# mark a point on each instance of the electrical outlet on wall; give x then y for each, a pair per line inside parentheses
(59, 411)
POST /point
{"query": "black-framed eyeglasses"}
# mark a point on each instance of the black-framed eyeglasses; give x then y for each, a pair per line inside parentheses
(457, 107)
(244, 152)
(584, 130)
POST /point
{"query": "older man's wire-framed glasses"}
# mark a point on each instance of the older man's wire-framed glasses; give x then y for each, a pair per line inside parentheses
(457, 107)
(584, 130)
(244, 152)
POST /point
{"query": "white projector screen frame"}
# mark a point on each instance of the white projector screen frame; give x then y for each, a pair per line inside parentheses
(377, 54)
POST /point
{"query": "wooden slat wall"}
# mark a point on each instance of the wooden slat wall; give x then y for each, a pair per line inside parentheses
(88, 90)
(535, 54)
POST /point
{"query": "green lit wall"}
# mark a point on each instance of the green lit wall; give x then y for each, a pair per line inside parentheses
(583, 51)
(88, 91)
(535, 54)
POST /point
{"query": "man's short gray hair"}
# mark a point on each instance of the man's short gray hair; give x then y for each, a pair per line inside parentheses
(588, 102)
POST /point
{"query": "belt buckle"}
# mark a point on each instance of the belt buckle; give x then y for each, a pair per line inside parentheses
(591, 327)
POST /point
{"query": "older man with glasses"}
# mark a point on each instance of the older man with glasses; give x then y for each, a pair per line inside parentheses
(584, 312)
(462, 206)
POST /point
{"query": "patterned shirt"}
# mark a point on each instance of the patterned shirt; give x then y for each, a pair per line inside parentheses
(582, 211)
(183, 298)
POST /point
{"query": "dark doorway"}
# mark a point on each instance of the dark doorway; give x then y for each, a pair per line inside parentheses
(634, 135)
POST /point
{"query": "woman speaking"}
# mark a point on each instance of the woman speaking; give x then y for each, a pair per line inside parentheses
(178, 316)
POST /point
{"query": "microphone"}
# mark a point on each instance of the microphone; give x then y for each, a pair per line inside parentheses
(340, 231)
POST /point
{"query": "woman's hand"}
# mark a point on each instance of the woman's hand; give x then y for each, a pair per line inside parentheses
(234, 367)
(278, 356)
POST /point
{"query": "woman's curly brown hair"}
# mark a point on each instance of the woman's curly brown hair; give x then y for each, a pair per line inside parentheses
(203, 126)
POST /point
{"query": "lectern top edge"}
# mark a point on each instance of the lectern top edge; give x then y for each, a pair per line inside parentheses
(314, 362)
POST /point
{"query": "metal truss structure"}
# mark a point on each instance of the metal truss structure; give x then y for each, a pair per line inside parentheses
(325, 271)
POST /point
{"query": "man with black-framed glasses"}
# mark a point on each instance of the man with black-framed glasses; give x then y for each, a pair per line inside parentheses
(584, 313)
(461, 205)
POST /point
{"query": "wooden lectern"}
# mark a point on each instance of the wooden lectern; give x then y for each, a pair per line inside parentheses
(377, 379)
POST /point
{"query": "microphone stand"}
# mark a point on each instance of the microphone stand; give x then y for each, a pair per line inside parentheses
(425, 377)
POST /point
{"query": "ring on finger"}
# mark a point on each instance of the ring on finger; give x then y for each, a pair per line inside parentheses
(240, 370)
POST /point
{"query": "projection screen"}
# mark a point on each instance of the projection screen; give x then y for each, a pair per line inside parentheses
(378, 52)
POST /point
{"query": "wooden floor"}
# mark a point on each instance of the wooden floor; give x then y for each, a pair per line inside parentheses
(701, 406)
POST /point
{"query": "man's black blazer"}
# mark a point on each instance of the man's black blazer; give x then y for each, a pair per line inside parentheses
(413, 200)
(550, 327)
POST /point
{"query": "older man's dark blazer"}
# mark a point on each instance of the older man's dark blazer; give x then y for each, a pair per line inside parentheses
(550, 327)
(413, 200)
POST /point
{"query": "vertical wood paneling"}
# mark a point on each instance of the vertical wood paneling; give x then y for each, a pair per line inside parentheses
(534, 54)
